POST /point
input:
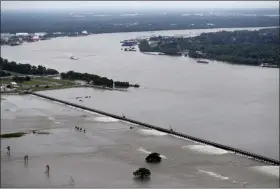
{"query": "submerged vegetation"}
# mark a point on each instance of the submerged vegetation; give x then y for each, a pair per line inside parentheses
(13, 135)
(20, 134)
(40, 132)
(153, 158)
(142, 173)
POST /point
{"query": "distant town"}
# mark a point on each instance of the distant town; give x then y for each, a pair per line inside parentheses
(14, 39)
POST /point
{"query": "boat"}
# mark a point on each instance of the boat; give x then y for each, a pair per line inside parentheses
(202, 61)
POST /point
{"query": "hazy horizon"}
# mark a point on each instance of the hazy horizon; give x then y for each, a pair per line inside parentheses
(136, 5)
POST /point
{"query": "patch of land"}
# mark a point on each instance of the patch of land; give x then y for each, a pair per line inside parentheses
(37, 84)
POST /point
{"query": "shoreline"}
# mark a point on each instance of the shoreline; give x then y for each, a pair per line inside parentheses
(180, 30)
(152, 31)
(63, 87)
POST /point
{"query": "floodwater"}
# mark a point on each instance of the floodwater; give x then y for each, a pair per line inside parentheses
(230, 104)
(109, 151)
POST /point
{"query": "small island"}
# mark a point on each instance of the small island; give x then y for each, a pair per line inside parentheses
(255, 48)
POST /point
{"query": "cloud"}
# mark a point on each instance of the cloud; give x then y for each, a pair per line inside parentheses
(5, 5)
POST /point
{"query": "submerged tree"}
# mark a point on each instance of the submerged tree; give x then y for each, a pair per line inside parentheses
(153, 158)
(142, 173)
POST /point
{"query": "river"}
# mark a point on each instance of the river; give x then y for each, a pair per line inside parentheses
(230, 104)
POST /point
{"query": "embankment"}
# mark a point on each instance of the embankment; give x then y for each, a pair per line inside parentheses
(228, 148)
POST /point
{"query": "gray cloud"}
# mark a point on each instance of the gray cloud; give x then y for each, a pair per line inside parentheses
(13, 5)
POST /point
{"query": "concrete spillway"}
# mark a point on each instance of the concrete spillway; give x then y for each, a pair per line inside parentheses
(228, 148)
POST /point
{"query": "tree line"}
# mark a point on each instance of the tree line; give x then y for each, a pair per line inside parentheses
(168, 48)
(239, 47)
(26, 68)
(4, 74)
(95, 79)
(54, 22)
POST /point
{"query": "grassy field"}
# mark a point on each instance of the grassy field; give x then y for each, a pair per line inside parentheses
(40, 83)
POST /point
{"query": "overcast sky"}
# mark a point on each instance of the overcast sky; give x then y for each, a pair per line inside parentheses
(5, 5)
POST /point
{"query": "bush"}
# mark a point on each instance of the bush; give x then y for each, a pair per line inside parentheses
(142, 173)
(27, 78)
(4, 74)
(153, 158)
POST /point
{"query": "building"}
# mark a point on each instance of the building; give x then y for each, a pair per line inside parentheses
(14, 84)
(84, 32)
(40, 34)
(3, 88)
(22, 34)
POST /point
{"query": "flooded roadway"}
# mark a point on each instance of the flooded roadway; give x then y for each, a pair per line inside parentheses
(109, 151)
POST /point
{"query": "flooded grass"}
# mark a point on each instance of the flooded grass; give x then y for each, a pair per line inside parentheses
(13, 135)
(42, 133)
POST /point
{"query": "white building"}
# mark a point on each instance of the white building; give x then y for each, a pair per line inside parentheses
(22, 34)
(84, 32)
(3, 88)
(14, 84)
(40, 34)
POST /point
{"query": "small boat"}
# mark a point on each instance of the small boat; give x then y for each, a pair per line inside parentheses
(202, 61)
